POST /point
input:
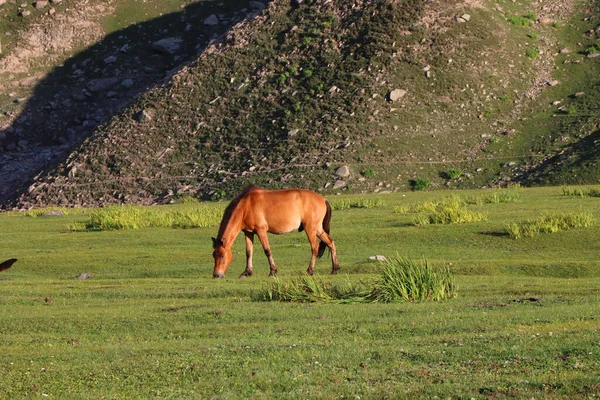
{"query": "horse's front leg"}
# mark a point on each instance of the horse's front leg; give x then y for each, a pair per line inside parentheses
(249, 249)
(264, 240)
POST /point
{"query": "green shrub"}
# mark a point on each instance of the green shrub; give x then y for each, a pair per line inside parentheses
(453, 173)
(368, 173)
(419, 183)
(531, 53)
(519, 20)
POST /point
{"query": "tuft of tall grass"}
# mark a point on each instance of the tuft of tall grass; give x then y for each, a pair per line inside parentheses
(308, 289)
(448, 211)
(136, 217)
(549, 224)
(495, 197)
(410, 280)
(580, 192)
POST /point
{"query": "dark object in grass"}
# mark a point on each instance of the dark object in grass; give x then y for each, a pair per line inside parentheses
(7, 264)
(529, 300)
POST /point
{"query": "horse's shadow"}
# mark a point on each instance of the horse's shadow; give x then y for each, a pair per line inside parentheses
(92, 86)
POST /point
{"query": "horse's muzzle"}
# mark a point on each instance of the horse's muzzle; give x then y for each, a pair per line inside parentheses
(218, 275)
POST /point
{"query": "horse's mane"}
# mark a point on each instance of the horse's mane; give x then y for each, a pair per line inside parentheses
(231, 207)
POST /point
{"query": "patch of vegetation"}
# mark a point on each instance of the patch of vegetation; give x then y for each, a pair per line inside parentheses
(137, 217)
(549, 224)
(525, 20)
(581, 192)
(410, 280)
(449, 213)
(419, 184)
(453, 174)
(358, 203)
(532, 53)
(368, 173)
(401, 279)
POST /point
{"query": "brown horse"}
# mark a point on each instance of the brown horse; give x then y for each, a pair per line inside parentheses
(258, 211)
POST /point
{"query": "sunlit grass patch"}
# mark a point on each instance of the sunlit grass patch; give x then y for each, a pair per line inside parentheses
(549, 224)
(358, 203)
(581, 192)
(136, 217)
(495, 197)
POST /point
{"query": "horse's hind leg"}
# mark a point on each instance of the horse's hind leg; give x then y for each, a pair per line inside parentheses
(249, 249)
(325, 238)
(264, 240)
(314, 246)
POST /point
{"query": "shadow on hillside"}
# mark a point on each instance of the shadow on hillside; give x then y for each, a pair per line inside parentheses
(577, 163)
(94, 85)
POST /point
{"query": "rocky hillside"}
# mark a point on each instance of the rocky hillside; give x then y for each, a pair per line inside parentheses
(331, 95)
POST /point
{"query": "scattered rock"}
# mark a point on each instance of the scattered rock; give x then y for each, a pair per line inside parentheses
(293, 132)
(377, 258)
(127, 83)
(339, 184)
(24, 13)
(579, 94)
(343, 171)
(212, 20)
(145, 115)
(54, 213)
(102, 85)
(552, 83)
(110, 60)
(396, 94)
(564, 50)
(463, 18)
(593, 55)
(167, 45)
(40, 4)
(84, 276)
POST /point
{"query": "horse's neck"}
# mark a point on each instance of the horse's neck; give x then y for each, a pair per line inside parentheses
(232, 227)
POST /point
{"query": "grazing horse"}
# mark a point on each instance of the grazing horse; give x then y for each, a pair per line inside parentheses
(258, 211)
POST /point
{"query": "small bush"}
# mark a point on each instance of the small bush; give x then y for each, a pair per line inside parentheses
(549, 224)
(519, 20)
(532, 53)
(453, 174)
(368, 173)
(419, 183)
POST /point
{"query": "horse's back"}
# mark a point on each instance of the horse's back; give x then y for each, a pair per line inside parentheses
(286, 210)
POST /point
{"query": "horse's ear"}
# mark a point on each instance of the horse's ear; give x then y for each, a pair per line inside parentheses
(214, 241)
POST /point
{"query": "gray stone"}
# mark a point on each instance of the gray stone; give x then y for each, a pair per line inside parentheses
(396, 94)
(377, 258)
(84, 276)
(101, 85)
(343, 171)
(167, 45)
(211, 20)
(40, 4)
(127, 83)
(339, 184)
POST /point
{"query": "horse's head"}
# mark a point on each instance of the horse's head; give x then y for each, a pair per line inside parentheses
(223, 256)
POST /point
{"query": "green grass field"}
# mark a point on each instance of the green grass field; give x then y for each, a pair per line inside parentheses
(152, 323)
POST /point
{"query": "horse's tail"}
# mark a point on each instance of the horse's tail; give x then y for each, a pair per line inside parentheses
(326, 228)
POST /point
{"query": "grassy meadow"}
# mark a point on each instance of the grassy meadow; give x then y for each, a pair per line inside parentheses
(152, 323)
